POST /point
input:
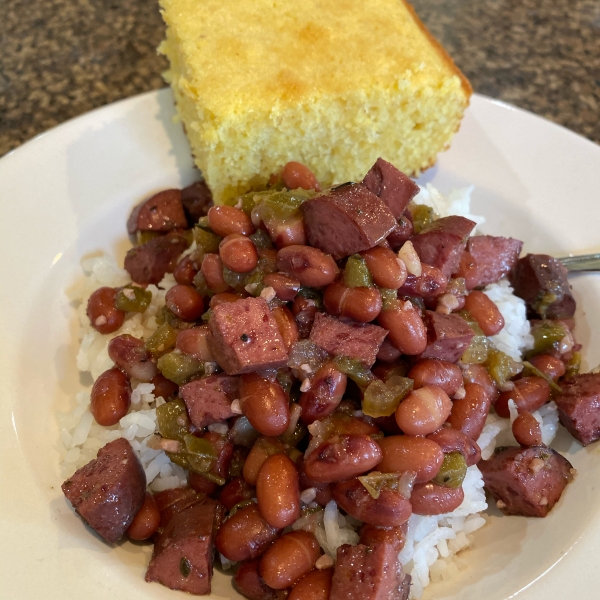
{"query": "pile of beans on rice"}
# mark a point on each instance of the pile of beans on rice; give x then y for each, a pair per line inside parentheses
(237, 252)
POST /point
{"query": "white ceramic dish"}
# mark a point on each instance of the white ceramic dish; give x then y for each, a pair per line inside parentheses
(68, 193)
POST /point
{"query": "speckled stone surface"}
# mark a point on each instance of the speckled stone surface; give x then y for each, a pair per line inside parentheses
(61, 58)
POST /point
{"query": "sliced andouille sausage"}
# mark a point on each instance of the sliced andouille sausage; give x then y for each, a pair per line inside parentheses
(579, 407)
(244, 337)
(526, 481)
(448, 336)
(361, 341)
(196, 199)
(109, 491)
(368, 573)
(442, 242)
(175, 500)
(209, 399)
(542, 282)
(149, 262)
(391, 185)
(161, 212)
(346, 219)
(183, 553)
(494, 258)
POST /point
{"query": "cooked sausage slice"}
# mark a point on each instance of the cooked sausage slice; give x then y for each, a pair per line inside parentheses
(208, 400)
(448, 336)
(173, 501)
(196, 199)
(347, 219)
(109, 491)
(161, 212)
(494, 257)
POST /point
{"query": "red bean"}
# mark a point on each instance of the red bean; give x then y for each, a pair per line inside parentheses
(362, 304)
(452, 440)
(407, 332)
(290, 232)
(287, 326)
(316, 585)
(163, 387)
(529, 394)
(432, 499)
(478, 374)
(224, 220)
(310, 266)
(278, 492)
(265, 404)
(234, 491)
(386, 269)
(185, 302)
(327, 389)
(469, 413)
(391, 509)
(342, 457)
(394, 536)
(101, 311)
(238, 253)
(193, 342)
(342, 424)
(304, 311)
(324, 491)
(387, 352)
(485, 312)
(527, 430)
(223, 298)
(295, 175)
(185, 271)
(430, 284)
(423, 411)
(407, 453)
(110, 397)
(293, 555)
(469, 270)
(130, 355)
(212, 269)
(245, 535)
(250, 584)
(146, 521)
(260, 451)
(444, 374)
(549, 365)
(285, 287)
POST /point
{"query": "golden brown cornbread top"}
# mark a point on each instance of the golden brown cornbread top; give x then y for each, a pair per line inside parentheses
(241, 54)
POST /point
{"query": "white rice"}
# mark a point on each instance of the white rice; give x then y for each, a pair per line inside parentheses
(432, 542)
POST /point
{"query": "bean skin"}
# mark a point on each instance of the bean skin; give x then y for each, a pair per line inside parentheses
(452, 440)
(234, 491)
(526, 430)
(295, 175)
(250, 584)
(394, 536)
(185, 302)
(131, 356)
(529, 394)
(423, 411)
(485, 312)
(278, 492)
(310, 266)
(391, 509)
(287, 326)
(407, 453)
(146, 521)
(478, 374)
(185, 271)
(265, 404)
(432, 499)
(407, 332)
(212, 269)
(549, 365)
(285, 287)
(260, 451)
(316, 585)
(342, 457)
(443, 374)
(245, 535)
(362, 304)
(101, 311)
(193, 342)
(110, 397)
(386, 269)
(292, 556)
(469, 413)
(326, 392)
(238, 253)
(225, 220)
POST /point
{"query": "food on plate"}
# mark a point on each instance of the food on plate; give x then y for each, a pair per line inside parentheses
(325, 421)
(258, 84)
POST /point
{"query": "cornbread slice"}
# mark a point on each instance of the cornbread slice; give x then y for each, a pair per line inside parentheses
(331, 83)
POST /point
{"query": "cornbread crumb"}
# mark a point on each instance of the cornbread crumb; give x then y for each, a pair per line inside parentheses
(333, 84)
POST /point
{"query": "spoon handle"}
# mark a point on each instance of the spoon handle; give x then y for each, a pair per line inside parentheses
(584, 262)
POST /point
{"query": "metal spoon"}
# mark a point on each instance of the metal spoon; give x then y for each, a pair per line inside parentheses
(583, 262)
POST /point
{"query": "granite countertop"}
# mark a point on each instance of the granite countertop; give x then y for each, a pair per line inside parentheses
(61, 58)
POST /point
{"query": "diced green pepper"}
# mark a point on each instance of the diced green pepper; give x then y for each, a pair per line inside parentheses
(199, 447)
(207, 240)
(293, 439)
(206, 316)
(133, 298)
(355, 370)
(261, 239)
(236, 280)
(547, 336)
(389, 298)
(501, 367)
(422, 215)
(283, 206)
(356, 272)
(179, 367)
(143, 237)
(162, 340)
(201, 285)
(573, 365)
(172, 420)
(453, 470)
(478, 349)
(375, 481)
(381, 399)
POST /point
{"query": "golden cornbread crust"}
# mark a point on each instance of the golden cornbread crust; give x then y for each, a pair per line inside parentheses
(330, 83)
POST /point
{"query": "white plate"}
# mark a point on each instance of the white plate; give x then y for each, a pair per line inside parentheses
(68, 193)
